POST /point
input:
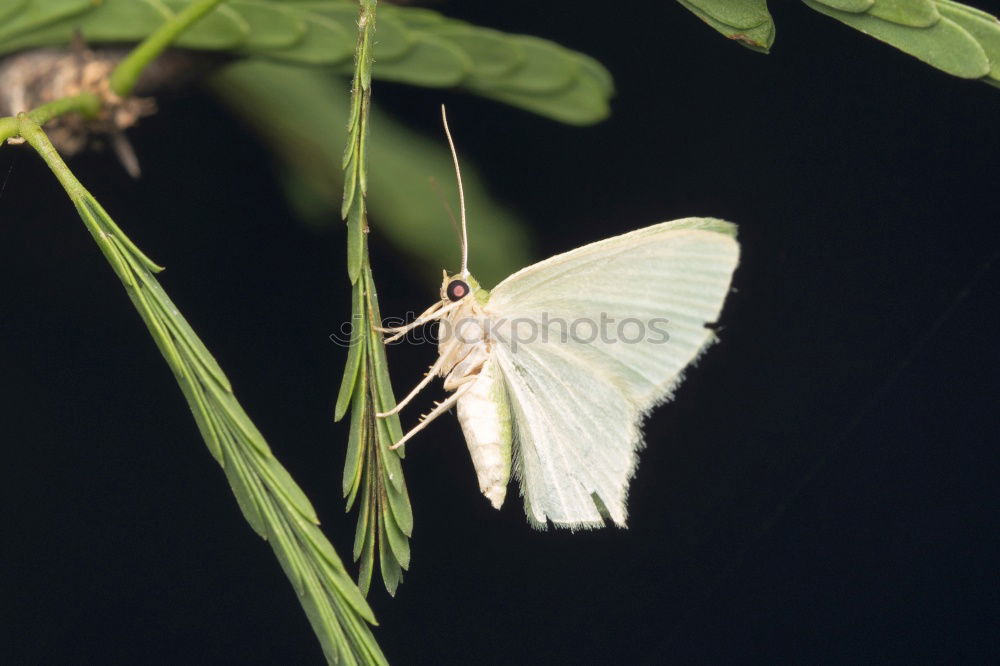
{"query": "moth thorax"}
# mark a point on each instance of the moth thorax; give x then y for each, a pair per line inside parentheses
(465, 327)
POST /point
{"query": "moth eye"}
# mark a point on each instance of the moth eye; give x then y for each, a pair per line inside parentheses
(457, 290)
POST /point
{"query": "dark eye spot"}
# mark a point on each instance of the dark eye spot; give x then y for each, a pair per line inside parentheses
(457, 290)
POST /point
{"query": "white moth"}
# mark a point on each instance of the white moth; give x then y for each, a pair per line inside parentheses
(542, 392)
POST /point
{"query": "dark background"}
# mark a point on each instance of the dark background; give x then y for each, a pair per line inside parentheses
(822, 490)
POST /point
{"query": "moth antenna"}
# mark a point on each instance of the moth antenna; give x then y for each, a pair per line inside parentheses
(461, 194)
(447, 208)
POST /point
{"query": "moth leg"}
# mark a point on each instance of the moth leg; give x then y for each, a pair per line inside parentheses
(420, 321)
(431, 374)
(435, 311)
(438, 410)
(453, 384)
(423, 314)
(454, 379)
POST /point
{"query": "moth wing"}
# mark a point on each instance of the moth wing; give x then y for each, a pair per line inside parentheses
(578, 393)
(574, 438)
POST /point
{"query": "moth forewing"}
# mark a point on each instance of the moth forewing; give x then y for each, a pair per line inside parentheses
(578, 396)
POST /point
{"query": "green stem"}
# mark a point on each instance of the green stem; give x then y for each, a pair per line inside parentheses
(126, 74)
(123, 79)
(30, 129)
(87, 104)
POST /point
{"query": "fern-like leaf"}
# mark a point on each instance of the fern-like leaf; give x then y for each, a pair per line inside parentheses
(373, 473)
(269, 498)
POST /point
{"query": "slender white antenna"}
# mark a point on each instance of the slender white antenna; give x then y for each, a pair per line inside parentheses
(461, 195)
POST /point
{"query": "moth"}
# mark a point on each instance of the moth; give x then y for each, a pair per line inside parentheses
(553, 371)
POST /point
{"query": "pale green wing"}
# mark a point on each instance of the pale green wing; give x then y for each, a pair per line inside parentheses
(590, 340)
(574, 437)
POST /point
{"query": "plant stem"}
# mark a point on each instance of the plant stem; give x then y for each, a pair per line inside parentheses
(123, 78)
(87, 104)
(127, 73)
(31, 130)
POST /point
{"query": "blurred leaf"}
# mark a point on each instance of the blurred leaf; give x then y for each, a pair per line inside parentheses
(431, 62)
(300, 112)
(34, 14)
(271, 25)
(393, 38)
(414, 46)
(220, 29)
(10, 8)
(746, 21)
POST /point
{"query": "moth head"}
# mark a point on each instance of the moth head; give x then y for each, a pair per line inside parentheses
(457, 287)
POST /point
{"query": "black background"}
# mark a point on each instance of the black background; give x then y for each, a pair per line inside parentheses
(822, 490)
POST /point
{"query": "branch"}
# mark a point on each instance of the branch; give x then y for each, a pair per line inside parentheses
(87, 104)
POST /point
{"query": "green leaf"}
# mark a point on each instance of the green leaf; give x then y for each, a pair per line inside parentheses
(355, 352)
(849, 5)
(221, 29)
(36, 14)
(361, 533)
(413, 45)
(355, 233)
(372, 471)
(393, 40)
(490, 53)
(270, 25)
(380, 367)
(965, 9)
(113, 21)
(955, 38)
(392, 573)
(985, 29)
(914, 13)
(398, 541)
(189, 339)
(244, 498)
(366, 558)
(579, 104)
(745, 21)
(358, 434)
(323, 43)
(300, 114)
(595, 71)
(12, 7)
(543, 68)
(268, 497)
(399, 504)
(431, 62)
(944, 45)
